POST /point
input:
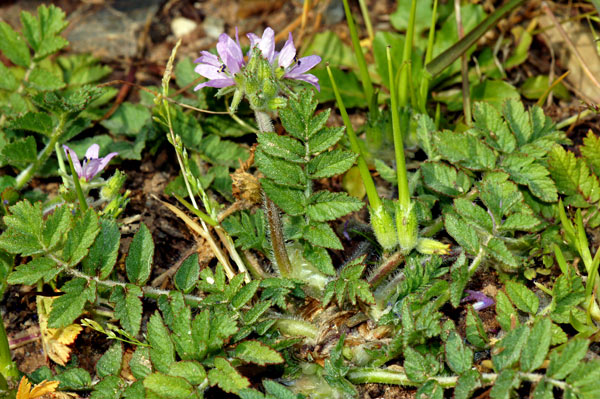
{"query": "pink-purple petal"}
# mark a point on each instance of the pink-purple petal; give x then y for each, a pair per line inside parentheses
(267, 44)
(304, 64)
(287, 53)
(97, 165)
(209, 71)
(306, 77)
(74, 158)
(217, 83)
(92, 151)
(208, 58)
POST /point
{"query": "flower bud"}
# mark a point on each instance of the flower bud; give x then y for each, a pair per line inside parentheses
(383, 226)
(113, 186)
(406, 223)
(428, 246)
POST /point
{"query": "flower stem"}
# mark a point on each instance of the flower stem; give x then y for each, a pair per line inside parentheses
(7, 367)
(406, 57)
(77, 183)
(464, 67)
(425, 79)
(296, 328)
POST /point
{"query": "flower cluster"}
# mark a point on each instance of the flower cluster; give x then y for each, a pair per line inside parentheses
(91, 165)
(263, 76)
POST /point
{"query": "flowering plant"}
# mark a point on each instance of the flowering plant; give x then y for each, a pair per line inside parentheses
(92, 164)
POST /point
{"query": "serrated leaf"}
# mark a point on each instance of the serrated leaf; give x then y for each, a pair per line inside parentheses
(322, 235)
(38, 122)
(193, 372)
(566, 359)
(506, 381)
(281, 146)
(20, 152)
(129, 119)
(573, 178)
(325, 138)
(257, 353)
(226, 377)
(518, 120)
(8, 81)
(586, 374)
(103, 253)
(128, 307)
(465, 149)
(187, 274)
(475, 214)
(475, 331)
(520, 221)
(245, 294)
(81, 238)
(500, 252)
(55, 226)
(536, 348)
(139, 363)
(111, 387)
(489, 121)
(465, 236)
(291, 201)
(34, 271)
(543, 390)
(297, 118)
(110, 362)
(55, 341)
(507, 351)
(278, 391)
(319, 258)
(45, 80)
(13, 46)
(460, 276)
(499, 195)
(590, 150)
(466, 384)
(415, 365)
(458, 356)
(445, 179)
(42, 32)
(139, 257)
(23, 234)
(280, 171)
(167, 386)
(162, 352)
(526, 171)
(66, 308)
(523, 298)
(252, 315)
(330, 163)
(505, 310)
(326, 205)
(74, 379)
(222, 327)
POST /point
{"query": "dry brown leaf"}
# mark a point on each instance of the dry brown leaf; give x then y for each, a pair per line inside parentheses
(26, 392)
(55, 340)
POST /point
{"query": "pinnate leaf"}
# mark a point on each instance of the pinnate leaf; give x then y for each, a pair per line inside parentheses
(327, 205)
(81, 238)
(103, 253)
(226, 377)
(537, 345)
(566, 359)
(330, 163)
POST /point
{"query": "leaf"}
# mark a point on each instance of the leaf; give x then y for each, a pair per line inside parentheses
(325, 138)
(506, 381)
(465, 236)
(45, 80)
(13, 46)
(34, 271)
(81, 237)
(518, 120)
(489, 121)
(193, 372)
(319, 258)
(500, 252)
(465, 149)
(8, 81)
(458, 356)
(140, 363)
(24, 229)
(257, 353)
(475, 214)
(536, 348)
(466, 384)
(326, 205)
(475, 331)
(38, 122)
(505, 310)
(590, 150)
(25, 391)
(187, 274)
(322, 235)
(244, 295)
(573, 178)
(20, 152)
(278, 391)
(281, 147)
(111, 387)
(291, 201)
(139, 257)
(445, 179)
(128, 307)
(167, 386)
(524, 299)
(415, 365)
(586, 374)
(330, 163)
(162, 352)
(280, 171)
(110, 362)
(562, 363)
(129, 119)
(68, 307)
(55, 227)
(525, 171)
(507, 351)
(103, 253)
(55, 341)
(495, 92)
(226, 377)
(42, 32)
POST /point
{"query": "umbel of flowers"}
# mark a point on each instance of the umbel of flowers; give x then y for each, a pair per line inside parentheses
(263, 77)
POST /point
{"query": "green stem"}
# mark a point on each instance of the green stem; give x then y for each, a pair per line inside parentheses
(27, 173)
(425, 79)
(464, 67)
(77, 183)
(406, 57)
(444, 60)
(365, 175)
(365, 13)
(297, 328)
(360, 57)
(7, 367)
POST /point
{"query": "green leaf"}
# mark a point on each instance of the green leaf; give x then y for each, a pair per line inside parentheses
(13, 46)
(460, 276)
(326, 205)
(74, 379)
(103, 253)
(129, 119)
(466, 384)
(445, 179)
(193, 372)
(45, 80)
(187, 274)
(330, 163)
(475, 331)
(226, 377)
(8, 81)
(348, 83)
(162, 352)
(520, 221)
(278, 391)
(55, 227)
(167, 386)
(257, 353)
(585, 375)
(400, 18)
(562, 363)
(139, 257)
(430, 390)
(415, 365)
(590, 150)
(526, 171)
(110, 362)
(20, 152)
(325, 138)
(507, 351)
(506, 311)
(458, 356)
(38, 122)
(322, 235)
(518, 120)
(280, 171)
(489, 121)
(111, 387)
(244, 295)
(290, 200)
(506, 381)
(465, 149)
(475, 214)
(465, 236)
(128, 307)
(495, 92)
(523, 298)
(66, 308)
(140, 363)
(500, 252)
(319, 258)
(543, 390)
(34, 271)
(537, 345)
(573, 178)
(42, 32)
(81, 238)
(282, 147)
(23, 234)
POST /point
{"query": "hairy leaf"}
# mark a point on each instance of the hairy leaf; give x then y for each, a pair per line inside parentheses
(139, 257)
(257, 353)
(226, 377)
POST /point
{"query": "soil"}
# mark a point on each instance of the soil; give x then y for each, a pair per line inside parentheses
(142, 40)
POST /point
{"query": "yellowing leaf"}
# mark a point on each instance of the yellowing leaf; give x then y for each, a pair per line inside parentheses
(26, 392)
(55, 340)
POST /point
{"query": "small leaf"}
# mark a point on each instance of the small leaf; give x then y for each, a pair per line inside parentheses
(536, 348)
(139, 257)
(500, 252)
(331, 163)
(281, 147)
(162, 352)
(415, 365)
(34, 271)
(168, 386)
(38, 122)
(110, 362)
(66, 308)
(325, 138)
(525, 171)
(445, 179)
(489, 121)
(244, 295)
(140, 363)
(475, 331)
(280, 171)
(326, 205)
(564, 362)
(111, 387)
(187, 274)
(226, 377)
(193, 372)
(590, 150)
(508, 350)
(81, 238)
(506, 381)
(319, 258)
(257, 353)
(322, 235)
(291, 201)
(518, 120)
(129, 119)
(13, 46)
(460, 276)
(523, 298)
(8, 81)
(25, 391)
(506, 312)
(458, 356)
(42, 32)
(128, 307)
(466, 384)
(461, 232)
(20, 152)
(103, 253)
(74, 379)
(45, 80)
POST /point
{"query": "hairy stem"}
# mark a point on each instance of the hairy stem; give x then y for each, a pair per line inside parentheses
(297, 328)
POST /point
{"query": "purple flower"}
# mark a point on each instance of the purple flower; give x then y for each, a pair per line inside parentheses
(482, 301)
(91, 165)
(220, 70)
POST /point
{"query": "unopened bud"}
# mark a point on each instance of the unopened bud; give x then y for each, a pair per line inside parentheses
(113, 186)
(383, 226)
(406, 223)
(428, 246)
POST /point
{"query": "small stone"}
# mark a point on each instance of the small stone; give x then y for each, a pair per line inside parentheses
(181, 26)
